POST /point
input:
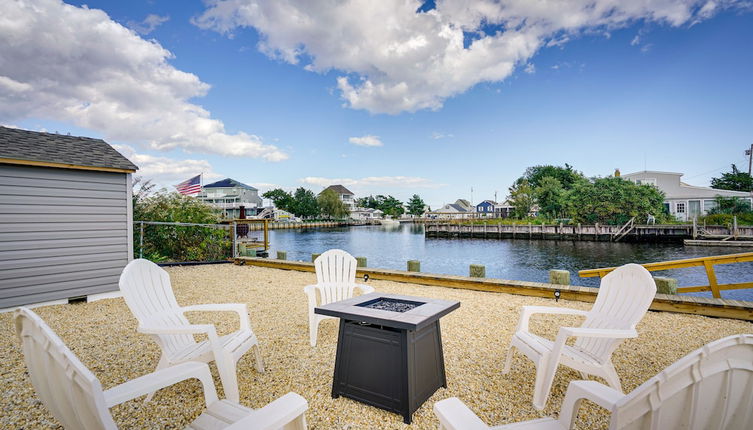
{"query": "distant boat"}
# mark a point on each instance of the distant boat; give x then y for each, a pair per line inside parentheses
(390, 222)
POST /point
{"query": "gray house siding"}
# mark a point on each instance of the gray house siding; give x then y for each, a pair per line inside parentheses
(63, 233)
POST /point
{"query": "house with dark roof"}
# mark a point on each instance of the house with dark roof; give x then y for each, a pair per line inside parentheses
(458, 210)
(486, 209)
(229, 195)
(66, 220)
(346, 196)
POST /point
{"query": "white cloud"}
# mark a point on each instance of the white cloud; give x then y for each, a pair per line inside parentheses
(149, 24)
(394, 59)
(530, 69)
(368, 140)
(71, 64)
(373, 181)
(636, 40)
(165, 171)
(437, 135)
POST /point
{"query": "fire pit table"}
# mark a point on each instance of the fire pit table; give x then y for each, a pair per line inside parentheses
(389, 350)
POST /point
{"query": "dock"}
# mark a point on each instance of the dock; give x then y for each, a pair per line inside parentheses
(672, 233)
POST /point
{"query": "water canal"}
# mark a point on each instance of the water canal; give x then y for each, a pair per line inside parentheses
(516, 259)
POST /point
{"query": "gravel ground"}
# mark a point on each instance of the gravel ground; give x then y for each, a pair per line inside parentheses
(103, 335)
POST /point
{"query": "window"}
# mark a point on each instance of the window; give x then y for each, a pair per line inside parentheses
(708, 205)
(680, 207)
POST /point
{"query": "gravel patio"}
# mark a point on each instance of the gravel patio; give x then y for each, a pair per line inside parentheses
(103, 335)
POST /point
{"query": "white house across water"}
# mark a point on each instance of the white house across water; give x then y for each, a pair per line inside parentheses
(682, 200)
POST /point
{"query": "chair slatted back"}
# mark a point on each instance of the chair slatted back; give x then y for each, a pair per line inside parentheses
(624, 297)
(710, 388)
(335, 275)
(149, 295)
(67, 388)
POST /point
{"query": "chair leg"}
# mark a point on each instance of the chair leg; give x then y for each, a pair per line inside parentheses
(163, 362)
(508, 361)
(545, 370)
(226, 369)
(610, 374)
(313, 330)
(297, 424)
(259, 359)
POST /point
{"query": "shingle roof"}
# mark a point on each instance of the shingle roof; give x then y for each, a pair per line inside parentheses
(229, 183)
(339, 189)
(28, 145)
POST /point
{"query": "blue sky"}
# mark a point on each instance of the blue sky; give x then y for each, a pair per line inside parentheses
(664, 88)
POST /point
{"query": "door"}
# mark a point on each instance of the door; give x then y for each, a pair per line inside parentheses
(694, 209)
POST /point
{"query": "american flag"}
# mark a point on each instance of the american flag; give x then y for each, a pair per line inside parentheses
(190, 186)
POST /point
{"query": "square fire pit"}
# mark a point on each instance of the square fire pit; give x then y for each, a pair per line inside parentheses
(389, 350)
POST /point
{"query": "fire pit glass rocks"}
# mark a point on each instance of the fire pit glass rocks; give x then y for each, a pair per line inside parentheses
(389, 350)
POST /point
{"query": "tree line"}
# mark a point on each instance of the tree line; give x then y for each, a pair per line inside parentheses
(303, 203)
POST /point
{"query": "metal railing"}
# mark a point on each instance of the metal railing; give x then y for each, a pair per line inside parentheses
(707, 262)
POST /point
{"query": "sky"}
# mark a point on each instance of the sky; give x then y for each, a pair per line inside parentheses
(442, 99)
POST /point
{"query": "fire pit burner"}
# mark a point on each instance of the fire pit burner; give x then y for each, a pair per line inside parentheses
(389, 350)
(392, 305)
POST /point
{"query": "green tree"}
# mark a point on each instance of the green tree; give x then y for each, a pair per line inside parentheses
(614, 201)
(522, 198)
(331, 205)
(550, 197)
(390, 206)
(304, 203)
(281, 198)
(177, 243)
(566, 176)
(734, 180)
(416, 205)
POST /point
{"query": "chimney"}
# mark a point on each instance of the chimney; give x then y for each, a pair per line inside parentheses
(616, 173)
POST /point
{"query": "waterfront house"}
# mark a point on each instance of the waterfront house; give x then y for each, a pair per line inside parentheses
(459, 210)
(67, 219)
(504, 209)
(366, 214)
(486, 209)
(229, 195)
(680, 199)
(346, 196)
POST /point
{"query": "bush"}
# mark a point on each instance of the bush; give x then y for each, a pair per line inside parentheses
(727, 219)
(178, 243)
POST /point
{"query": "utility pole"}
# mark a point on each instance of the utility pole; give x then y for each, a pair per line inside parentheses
(749, 153)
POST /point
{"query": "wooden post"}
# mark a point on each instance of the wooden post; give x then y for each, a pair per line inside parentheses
(695, 229)
(559, 277)
(734, 226)
(282, 255)
(360, 261)
(414, 266)
(530, 230)
(141, 241)
(712, 279)
(232, 233)
(477, 271)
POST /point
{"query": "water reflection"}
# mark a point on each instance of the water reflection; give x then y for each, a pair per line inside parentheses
(391, 247)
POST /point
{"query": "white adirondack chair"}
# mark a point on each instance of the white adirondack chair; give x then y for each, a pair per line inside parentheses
(147, 291)
(624, 297)
(75, 396)
(335, 281)
(710, 388)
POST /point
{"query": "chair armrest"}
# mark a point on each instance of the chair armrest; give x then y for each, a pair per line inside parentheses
(527, 311)
(274, 415)
(240, 308)
(365, 289)
(177, 329)
(453, 414)
(602, 395)
(598, 332)
(160, 379)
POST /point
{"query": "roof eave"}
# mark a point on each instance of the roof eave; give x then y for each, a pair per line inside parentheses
(64, 165)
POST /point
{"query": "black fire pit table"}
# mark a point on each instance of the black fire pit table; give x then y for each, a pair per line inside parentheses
(389, 350)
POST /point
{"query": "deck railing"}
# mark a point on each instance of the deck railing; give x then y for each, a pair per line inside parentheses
(707, 262)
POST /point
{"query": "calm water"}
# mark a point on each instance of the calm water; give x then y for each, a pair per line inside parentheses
(525, 260)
